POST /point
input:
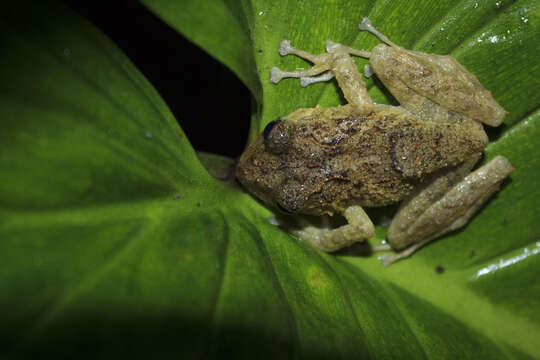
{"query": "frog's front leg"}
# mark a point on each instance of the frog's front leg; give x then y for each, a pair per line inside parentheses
(444, 205)
(359, 228)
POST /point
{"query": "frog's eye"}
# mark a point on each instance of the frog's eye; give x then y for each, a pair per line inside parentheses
(268, 128)
(277, 137)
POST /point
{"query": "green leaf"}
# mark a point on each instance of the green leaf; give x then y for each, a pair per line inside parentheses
(114, 240)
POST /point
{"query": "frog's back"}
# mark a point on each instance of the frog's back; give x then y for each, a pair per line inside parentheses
(382, 158)
(359, 169)
(321, 161)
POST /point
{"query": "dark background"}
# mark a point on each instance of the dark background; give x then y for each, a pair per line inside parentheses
(210, 103)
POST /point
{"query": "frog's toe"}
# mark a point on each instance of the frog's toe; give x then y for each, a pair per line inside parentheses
(330, 45)
(386, 260)
(368, 71)
(365, 25)
(274, 221)
(285, 48)
(308, 80)
(276, 75)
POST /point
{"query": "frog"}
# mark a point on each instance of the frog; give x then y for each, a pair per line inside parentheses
(420, 154)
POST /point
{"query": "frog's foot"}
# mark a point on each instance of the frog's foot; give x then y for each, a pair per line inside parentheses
(358, 229)
(365, 25)
(307, 77)
(368, 71)
(444, 205)
(322, 62)
(308, 80)
(387, 259)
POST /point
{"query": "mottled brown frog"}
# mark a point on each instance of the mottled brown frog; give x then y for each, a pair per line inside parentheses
(338, 160)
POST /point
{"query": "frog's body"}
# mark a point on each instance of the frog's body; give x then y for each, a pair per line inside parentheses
(337, 160)
(372, 160)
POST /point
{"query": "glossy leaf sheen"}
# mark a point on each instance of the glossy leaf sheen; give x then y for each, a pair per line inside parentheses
(114, 239)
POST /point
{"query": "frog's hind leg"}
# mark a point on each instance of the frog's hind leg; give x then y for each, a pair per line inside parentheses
(444, 205)
(359, 228)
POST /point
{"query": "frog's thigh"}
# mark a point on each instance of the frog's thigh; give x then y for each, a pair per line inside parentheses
(444, 205)
(359, 228)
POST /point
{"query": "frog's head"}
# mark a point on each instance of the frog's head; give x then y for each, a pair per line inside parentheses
(281, 168)
(263, 167)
